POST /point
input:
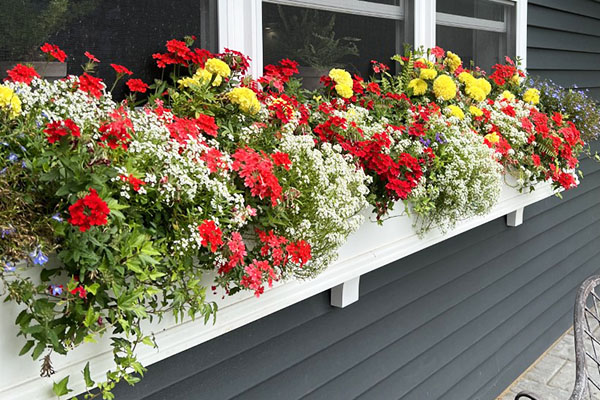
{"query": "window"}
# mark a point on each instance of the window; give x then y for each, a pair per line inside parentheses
(115, 31)
(321, 35)
(480, 31)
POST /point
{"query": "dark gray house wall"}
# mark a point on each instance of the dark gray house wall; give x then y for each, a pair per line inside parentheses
(460, 320)
(564, 42)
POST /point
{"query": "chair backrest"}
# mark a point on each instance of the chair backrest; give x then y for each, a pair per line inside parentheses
(587, 341)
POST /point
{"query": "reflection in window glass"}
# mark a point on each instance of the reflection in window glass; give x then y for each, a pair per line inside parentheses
(320, 40)
(115, 31)
(482, 48)
(472, 8)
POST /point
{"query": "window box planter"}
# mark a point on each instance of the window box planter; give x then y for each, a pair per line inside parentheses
(49, 70)
(371, 247)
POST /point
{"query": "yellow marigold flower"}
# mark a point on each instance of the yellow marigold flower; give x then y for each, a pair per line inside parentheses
(426, 62)
(508, 95)
(341, 77)
(444, 87)
(418, 86)
(344, 91)
(187, 82)
(516, 79)
(452, 61)
(484, 85)
(219, 67)
(476, 111)
(475, 92)
(317, 98)
(428, 73)
(493, 137)
(9, 101)
(245, 98)
(466, 78)
(205, 76)
(455, 111)
(532, 96)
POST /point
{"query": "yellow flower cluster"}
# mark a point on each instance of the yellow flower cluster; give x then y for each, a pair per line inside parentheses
(9, 101)
(532, 96)
(444, 87)
(508, 95)
(343, 82)
(219, 67)
(516, 79)
(476, 111)
(493, 137)
(245, 98)
(452, 61)
(418, 86)
(455, 111)
(202, 76)
(428, 73)
(475, 88)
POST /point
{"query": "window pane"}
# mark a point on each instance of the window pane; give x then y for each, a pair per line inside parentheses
(389, 2)
(483, 48)
(320, 40)
(472, 8)
(115, 31)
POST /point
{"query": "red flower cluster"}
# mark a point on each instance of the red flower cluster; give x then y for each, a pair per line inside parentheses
(54, 52)
(116, 132)
(22, 73)
(281, 251)
(237, 61)
(90, 84)
(278, 75)
(503, 72)
(136, 183)
(121, 70)
(91, 57)
(284, 108)
(257, 171)
(178, 53)
(79, 291)
(137, 85)
(214, 160)
(255, 274)
(184, 129)
(282, 159)
(237, 248)
(58, 129)
(211, 235)
(89, 211)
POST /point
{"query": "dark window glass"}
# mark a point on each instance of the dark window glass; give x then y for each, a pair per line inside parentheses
(482, 48)
(320, 40)
(472, 8)
(125, 32)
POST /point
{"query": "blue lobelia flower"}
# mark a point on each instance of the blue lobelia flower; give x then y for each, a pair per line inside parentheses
(37, 257)
(9, 266)
(12, 157)
(7, 231)
(57, 217)
(56, 290)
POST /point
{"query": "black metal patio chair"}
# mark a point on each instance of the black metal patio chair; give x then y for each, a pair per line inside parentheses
(586, 323)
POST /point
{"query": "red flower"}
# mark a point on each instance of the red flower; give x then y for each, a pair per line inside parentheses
(257, 171)
(557, 118)
(211, 235)
(90, 84)
(282, 159)
(207, 125)
(299, 252)
(121, 70)
(117, 131)
(89, 211)
(536, 160)
(256, 273)
(238, 252)
(213, 159)
(136, 183)
(54, 52)
(91, 57)
(137, 85)
(373, 87)
(58, 129)
(22, 73)
(437, 51)
(79, 291)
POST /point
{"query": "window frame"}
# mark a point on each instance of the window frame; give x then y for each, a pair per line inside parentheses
(240, 22)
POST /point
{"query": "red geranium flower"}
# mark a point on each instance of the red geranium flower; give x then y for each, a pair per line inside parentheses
(211, 235)
(257, 171)
(207, 124)
(79, 291)
(119, 69)
(54, 52)
(89, 211)
(56, 130)
(91, 57)
(136, 183)
(117, 131)
(282, 159)
(22, 73)
(137, 85)
(437, 51)
(299, 252)
(90, 84)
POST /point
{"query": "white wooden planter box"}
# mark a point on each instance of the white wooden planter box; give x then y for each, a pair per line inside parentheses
(371, 247)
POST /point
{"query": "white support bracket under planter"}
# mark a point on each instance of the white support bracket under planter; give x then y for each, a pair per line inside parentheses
(515, 218)
(346, 293)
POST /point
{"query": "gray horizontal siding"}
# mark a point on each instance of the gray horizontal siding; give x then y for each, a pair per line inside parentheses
(459, 320)
(563, 40)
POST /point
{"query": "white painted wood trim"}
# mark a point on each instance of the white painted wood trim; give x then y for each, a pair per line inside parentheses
(424, 23)
(515, 218)
(345, 294)
(355, 7)
(372, 247)
(460, 21)
(521, 46)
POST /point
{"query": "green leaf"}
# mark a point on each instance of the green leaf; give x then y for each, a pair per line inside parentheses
(27, 347)
(60, 388)
(39, 349)
(92, 288)
(89, 317)
(87, 376)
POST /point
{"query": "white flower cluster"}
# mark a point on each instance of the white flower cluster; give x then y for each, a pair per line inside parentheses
(325, 194)
(468, 179)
